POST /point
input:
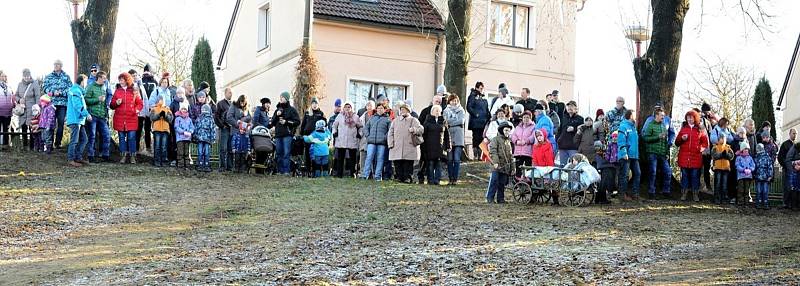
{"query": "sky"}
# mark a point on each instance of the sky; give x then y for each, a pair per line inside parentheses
(603, 55)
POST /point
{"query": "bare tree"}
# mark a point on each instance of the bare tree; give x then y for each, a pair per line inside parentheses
(726, 86)
(167, 48)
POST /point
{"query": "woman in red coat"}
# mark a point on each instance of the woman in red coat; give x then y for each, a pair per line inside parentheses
(126, 104)
(692, 141)
(542, 155)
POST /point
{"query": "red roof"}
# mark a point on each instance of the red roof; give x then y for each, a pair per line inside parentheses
(407, 13)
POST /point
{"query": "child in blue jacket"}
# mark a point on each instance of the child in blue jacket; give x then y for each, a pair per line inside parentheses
(319, 149)
(745, 167)
(764, 173)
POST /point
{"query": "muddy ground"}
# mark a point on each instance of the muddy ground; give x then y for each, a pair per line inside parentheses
(111, 224)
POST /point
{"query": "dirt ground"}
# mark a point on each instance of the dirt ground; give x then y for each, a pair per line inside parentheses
(110, 224)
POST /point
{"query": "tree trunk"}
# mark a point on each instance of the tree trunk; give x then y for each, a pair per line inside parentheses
(657, 69)
(93, 34)
(457, 37)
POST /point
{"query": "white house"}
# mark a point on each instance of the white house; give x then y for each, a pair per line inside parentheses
(397, 47)
(789, 100)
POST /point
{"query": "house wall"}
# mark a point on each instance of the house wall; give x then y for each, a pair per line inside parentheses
(268, 72)
(550, 62)
(791, 114)
(355, 52)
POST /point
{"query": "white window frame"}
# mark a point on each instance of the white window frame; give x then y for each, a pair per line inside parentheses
(531, 41)
(409, 87)
(264, 28)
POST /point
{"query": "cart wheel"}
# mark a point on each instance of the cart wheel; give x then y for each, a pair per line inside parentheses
(522, 193)
(542, 196)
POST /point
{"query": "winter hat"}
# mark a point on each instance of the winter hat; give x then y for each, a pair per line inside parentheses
(45, 98)
(705, 107)
(502, 127)
(206, 109)
(381, 97)
(320, 125)
(598, 146)
(26, 72)
(441, 89)
(203, 85)
(265, 100)
(760, 148)
(58, 62)
(573, 103)
(765, 134)
(338, 102)
(614, 136)
(184, 105)
(503, 89)
(555, 92)
(518, 108)
(314, 100)
(93, 67)
(744, 146)
(658, 104)
(201, 94)
(538, 107)
(286, 95)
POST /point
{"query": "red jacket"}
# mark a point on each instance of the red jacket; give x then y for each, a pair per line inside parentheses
(126, 116)
(690, 155)
(543, 155)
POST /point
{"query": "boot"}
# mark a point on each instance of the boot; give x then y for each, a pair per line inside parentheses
(695, 195)
(122, 157)
(683, 194)
(133, 159)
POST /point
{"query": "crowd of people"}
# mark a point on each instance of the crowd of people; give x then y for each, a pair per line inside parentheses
(386, 140)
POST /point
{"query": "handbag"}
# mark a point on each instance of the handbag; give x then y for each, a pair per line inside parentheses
(19, 109)
(417, 140)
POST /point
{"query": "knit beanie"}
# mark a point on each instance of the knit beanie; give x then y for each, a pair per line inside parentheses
(338, 102)
(320, 125)
(314, 100)
(286, 95)
(203, 85)
(206, 109)
(45, 98)
(744, 146)
(441, 89)
(759, 148)
(705, 107)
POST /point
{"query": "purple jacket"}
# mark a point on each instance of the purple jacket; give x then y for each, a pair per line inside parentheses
(183, 125)
(745, 162)
(47, 116)
(6, 104)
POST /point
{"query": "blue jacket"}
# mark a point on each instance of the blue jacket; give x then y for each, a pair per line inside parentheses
(260, 117)
(718, 132)
(57, 82)
(544, 121)
(206, 130)
(745, 162)
(628, 140)
(478, 109)
(159, 93)
(183, 125)
(76, 106)
(319, 142)
(764, 167)
(670, 131)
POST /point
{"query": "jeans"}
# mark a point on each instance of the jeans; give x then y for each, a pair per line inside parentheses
(373, 163)
(77, 142)
(143, 131)
(762, 192)
(47, 139)
(61, 114)
(564, 155)
(203, 151)
(454, 164)
(633, 165)
(98, 125)
(160, 151)
(283, 154)
(690, 179)
(659, 162)
(497, 187)
(319, 164)
(127, 141)
(434, 172)
(5, 124)
(225, 160)
(720, 185)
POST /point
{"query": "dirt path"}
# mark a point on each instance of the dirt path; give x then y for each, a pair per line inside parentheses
(112, 224)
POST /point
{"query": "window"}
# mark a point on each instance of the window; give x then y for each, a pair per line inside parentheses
(510, 25)
(264, 24)
(362, 91)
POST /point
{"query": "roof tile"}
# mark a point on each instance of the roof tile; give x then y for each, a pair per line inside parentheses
(409, 13)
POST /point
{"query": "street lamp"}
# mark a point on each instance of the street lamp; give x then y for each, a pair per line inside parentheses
(75, 4)
(637, 34)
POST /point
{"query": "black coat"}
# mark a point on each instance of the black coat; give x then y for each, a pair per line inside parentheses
(529, 104)
(566, 140)
(219, 114)
(478, 109)
(561, 109)
(437, 139)
(310, 121)
(287, 112)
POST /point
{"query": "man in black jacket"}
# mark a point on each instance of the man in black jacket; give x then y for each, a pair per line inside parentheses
(285, 120)
(478, 109)
(565, 139)
(527, 102)
(782, 154)
(555, 105)
(225, 159)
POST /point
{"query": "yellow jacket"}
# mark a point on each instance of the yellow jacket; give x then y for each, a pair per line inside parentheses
(722, 154)
(161, 124)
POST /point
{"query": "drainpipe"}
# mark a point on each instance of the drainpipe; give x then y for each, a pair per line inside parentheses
(437, 55)
(307, 24)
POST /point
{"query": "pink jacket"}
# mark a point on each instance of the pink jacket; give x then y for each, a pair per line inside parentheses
(6, 102)
(523, 133)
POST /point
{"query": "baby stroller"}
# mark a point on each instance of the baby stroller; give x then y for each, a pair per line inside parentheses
(262, 154)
